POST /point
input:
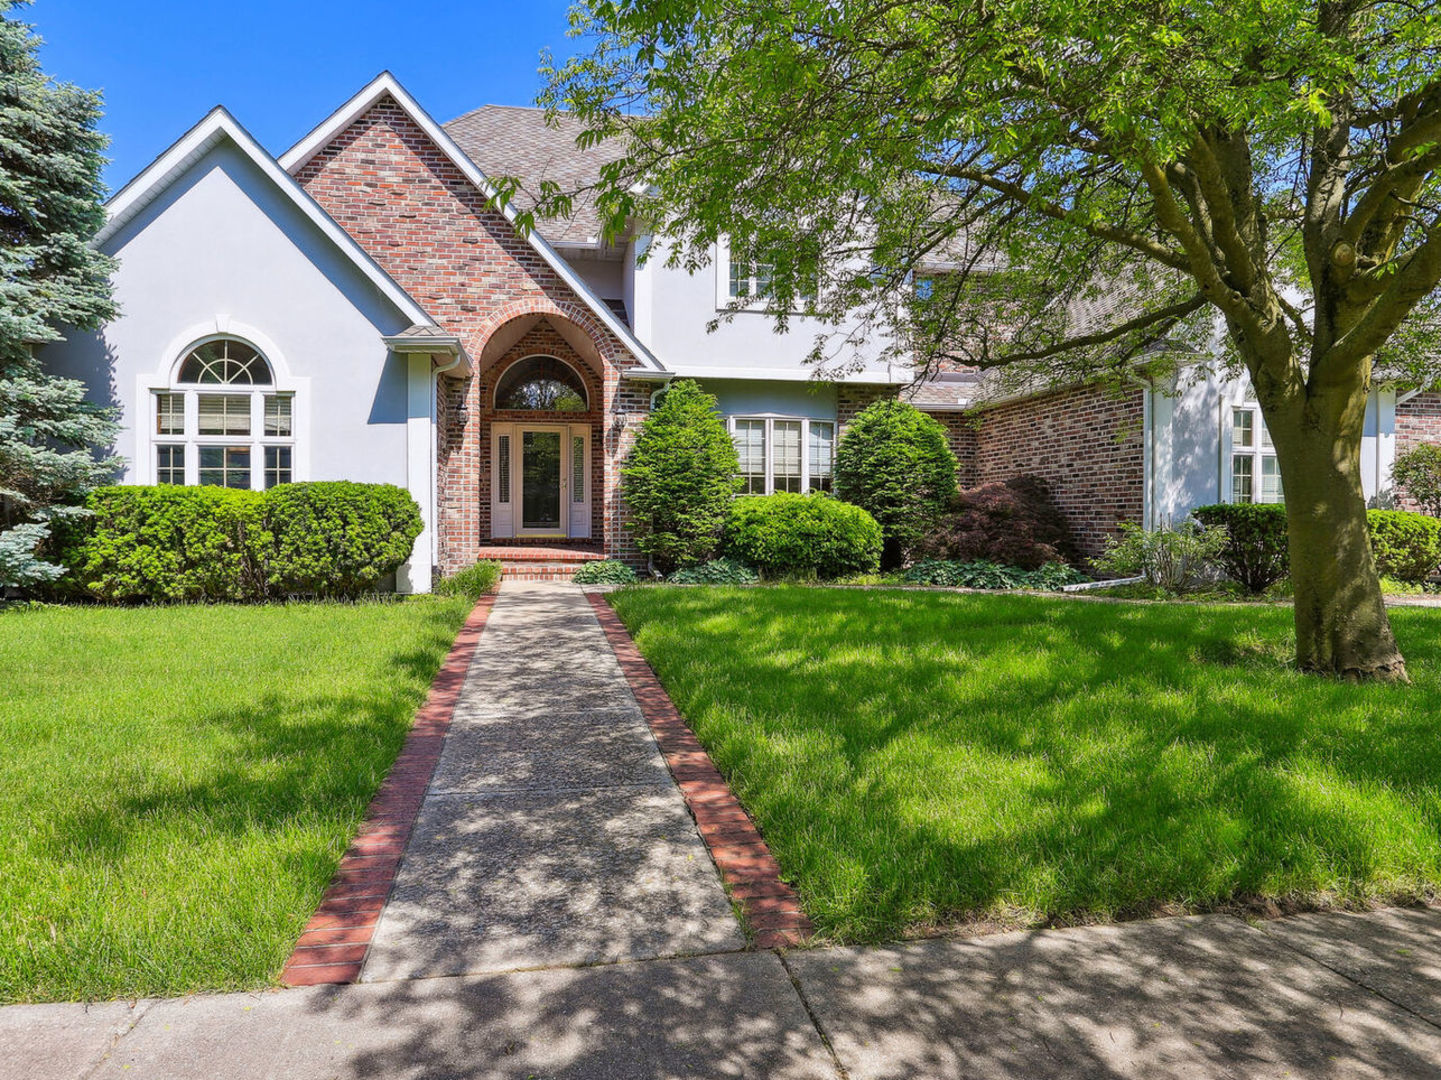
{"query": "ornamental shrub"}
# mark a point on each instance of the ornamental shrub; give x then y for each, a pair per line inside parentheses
(1407, 546)
(895, 463)
(605, 572)
(716, 572)
(679, 478)
(1418, 473)
(984, 574)
(1014, 522)
(474, 581)
(1257, 551)
(1173, 558)
(169, 543)
(337, 538)
(803, 535)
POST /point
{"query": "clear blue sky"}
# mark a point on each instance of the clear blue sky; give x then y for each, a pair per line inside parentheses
(281, 68)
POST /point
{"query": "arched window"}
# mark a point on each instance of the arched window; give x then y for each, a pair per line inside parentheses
(541, 384)
(223, 420)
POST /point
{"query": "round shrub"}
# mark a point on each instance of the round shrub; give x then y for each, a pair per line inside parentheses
(895, 462)
(716, 572)
(474, 581)
(1257, 551)
(604, 572)
(1014, 522)
(679, 478)
(1407, 546)
(1418, 473)
(169, 544)
(803, 535)
(338, 538)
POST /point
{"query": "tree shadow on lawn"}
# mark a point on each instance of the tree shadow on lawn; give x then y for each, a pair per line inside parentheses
(916, 760)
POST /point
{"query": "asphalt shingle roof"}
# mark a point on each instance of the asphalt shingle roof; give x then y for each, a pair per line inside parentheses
(511, 140)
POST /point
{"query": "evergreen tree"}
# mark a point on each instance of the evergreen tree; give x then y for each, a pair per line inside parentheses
(50, 207)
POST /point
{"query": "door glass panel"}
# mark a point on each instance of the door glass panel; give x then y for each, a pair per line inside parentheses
(540, 479)
(577, 468)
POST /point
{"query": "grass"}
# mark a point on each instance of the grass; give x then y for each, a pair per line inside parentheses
(923, 760)
(177, 784)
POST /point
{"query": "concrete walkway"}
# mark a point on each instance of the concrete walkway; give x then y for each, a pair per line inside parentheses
(552, 833)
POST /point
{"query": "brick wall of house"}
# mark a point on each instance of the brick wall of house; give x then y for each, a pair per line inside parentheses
(1086, 442)
(852, 399)
(418, 216)
(1417, 421)
(962, 433)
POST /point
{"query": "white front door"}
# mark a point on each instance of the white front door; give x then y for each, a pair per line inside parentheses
(540, 480)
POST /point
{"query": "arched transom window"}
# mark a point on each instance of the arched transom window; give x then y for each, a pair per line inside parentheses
(223, 420)
(541, 384)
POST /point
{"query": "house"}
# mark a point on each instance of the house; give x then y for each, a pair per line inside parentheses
(358, 309)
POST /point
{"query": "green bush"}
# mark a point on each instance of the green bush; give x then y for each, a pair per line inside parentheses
(338, 538)
(802, 535)
(1173, 558)
(1257, 551)
(605, 572)
(1418, 473)
(716, 572)
(984, 574)
(895, 462)
(170, 543)
(1407, 546)
(474, 581)
(679, 478)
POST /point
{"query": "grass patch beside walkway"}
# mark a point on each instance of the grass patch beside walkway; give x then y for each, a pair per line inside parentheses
(177, 784)
(920, 759)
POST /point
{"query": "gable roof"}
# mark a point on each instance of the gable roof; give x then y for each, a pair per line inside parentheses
(219, 126)
(385, 84)
(512, 140)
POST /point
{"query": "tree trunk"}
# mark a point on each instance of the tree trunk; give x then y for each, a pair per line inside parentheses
(1341, 623)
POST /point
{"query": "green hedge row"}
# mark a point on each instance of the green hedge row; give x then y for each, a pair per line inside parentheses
(1407, 546)
(330, 539)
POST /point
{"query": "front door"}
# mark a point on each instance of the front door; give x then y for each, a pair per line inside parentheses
(540, 480)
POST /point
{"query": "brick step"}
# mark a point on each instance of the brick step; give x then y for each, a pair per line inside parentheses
(536, 571)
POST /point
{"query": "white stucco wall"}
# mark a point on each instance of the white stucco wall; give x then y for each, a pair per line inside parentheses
(736, 397)
(223, 248)
(672, 307)
(1190, 443)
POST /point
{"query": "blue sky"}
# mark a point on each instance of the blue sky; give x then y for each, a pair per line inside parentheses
(281, 68)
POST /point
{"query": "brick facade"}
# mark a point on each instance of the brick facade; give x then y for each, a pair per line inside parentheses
(412, 209)
(1417, 421)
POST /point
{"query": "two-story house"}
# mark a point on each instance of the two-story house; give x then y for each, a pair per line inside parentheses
(358, 309)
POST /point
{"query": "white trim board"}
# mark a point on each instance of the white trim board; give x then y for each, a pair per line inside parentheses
(386, 84)
(219, 125)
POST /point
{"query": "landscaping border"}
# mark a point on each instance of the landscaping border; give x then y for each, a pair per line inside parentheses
(333, 946)
(751, 874)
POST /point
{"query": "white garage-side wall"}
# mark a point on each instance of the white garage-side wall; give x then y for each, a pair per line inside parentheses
(1190, 443)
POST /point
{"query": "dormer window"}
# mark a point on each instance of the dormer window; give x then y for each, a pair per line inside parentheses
(224, 420)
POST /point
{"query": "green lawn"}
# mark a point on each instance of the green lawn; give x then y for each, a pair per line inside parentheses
(921, 759)
(177, 784)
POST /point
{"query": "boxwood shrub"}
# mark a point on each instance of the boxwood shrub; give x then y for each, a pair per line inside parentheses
(1407, 546)
(1257, 553)
(802, 535)
(166, 543)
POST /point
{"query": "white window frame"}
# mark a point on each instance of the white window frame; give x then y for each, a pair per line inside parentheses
(168, 382)
(724, 301)
(770, 420)
(1261, 449)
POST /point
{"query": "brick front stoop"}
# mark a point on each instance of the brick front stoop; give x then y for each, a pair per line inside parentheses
(750, 872)
(333, 946)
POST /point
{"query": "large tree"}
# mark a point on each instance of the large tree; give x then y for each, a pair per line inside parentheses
(50, 207)
(1262, 173)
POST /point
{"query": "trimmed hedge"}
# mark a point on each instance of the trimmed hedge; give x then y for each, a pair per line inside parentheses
(984, 574)
(167, 543)
(803, 535)
(1407, 546)
(1257, 552)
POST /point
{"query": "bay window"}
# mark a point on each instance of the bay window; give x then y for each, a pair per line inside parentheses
(781, 453)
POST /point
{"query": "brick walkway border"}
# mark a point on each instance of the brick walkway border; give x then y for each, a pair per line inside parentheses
(332, 948)
(746, 865)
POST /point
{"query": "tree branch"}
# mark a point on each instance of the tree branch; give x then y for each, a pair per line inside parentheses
(1169, 314)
